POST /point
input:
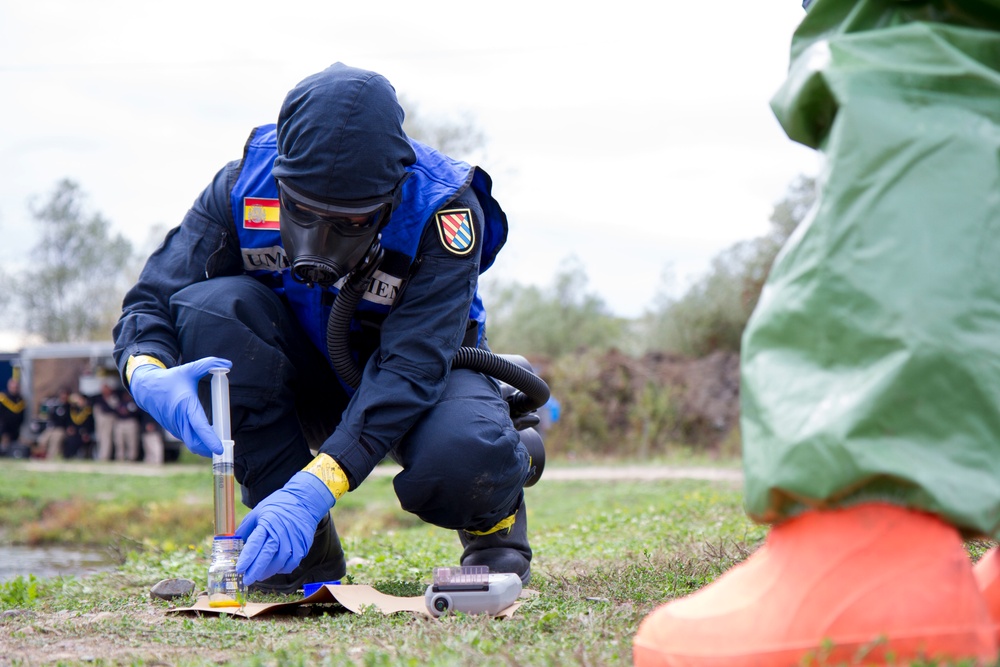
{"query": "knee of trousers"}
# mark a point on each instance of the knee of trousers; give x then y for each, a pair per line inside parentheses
(210, 313)
(462, 474)
(240, 319)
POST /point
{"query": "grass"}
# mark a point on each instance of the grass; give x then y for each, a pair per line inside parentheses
(606, 553)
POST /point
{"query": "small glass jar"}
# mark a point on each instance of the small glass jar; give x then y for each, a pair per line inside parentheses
(225, 584)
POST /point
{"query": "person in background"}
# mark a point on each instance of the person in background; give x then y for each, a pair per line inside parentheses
(52, 438)
(105, 409)
(152, 439)
(79, 441)
(870, 369)
(11, 416)
(127, 428)
(549, 414)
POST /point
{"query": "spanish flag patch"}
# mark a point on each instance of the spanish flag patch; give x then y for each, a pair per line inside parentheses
(456, 231)
(260, 213)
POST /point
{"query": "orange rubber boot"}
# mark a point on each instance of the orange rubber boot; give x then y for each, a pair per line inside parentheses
(874, 584)
(987, 572)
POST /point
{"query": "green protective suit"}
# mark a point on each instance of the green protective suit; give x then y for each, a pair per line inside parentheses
(871, 366)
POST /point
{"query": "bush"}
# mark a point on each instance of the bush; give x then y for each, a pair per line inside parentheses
(19, 593)
(614, 404)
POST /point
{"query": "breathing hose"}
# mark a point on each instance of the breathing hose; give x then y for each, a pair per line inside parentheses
(338, 327)
(532, 392)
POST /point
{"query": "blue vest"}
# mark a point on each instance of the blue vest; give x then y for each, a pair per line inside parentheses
(434, 180)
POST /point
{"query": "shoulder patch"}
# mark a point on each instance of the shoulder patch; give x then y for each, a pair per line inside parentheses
(456, 231)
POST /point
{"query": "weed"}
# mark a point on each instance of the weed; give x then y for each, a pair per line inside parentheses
(19, 593)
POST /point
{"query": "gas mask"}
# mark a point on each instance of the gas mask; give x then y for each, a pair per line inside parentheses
(325, 239)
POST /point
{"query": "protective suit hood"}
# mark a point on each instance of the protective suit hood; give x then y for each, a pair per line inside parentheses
(340, 136)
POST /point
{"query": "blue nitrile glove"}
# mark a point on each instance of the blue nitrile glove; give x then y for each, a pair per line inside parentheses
(278, 532)
(170, 395)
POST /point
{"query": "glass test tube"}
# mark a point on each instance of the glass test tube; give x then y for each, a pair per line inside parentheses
(222, 465)
(225, 584)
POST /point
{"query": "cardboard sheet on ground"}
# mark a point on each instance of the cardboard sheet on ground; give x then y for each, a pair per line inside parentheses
(353, 597)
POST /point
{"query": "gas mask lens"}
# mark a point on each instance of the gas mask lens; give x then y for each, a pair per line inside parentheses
(347, 220)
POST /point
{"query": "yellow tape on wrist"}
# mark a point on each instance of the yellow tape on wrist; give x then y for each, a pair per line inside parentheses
(330, 473)
(139, 360)
(503, 524)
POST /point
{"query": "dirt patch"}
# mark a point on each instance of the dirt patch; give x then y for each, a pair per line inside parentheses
(67, 637)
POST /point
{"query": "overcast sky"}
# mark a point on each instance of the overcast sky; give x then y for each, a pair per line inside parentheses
(635, 137)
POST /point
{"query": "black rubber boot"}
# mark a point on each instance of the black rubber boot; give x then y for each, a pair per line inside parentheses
(324, 562)
(503, 551)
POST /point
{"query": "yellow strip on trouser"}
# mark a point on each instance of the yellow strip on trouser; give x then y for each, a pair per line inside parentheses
(504, 524)
(330, 473)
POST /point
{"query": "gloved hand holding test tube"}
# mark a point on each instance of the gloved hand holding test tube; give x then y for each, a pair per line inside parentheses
(225, 584)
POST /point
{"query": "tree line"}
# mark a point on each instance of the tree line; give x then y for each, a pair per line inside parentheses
(80, 269)
(639, 388)
(710, 315)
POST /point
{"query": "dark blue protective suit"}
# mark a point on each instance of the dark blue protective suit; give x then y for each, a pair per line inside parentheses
(219, 285)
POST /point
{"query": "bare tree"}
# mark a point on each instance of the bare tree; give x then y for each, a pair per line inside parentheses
(561, 318)
(713, 312)
(74, 288)
(458, 136)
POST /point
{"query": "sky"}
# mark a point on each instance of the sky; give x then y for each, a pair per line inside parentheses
(634, 139)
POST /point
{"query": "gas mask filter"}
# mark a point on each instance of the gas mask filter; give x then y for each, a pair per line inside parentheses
(325, 239)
